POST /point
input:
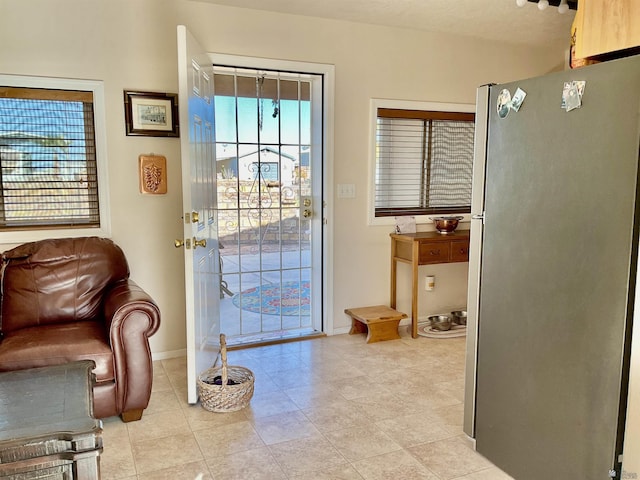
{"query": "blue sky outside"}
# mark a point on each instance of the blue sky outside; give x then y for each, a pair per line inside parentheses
(43, 131)
(293, 120)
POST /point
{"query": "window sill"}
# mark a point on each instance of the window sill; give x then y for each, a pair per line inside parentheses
(23, 236)
(423, 222)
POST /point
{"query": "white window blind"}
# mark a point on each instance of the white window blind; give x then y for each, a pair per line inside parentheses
(424, 162)
(48, 171)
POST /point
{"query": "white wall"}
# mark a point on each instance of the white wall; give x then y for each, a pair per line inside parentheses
(128, 45)
(131, 44)
(370, 62)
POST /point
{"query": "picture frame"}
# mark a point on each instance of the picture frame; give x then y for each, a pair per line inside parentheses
(151, 114)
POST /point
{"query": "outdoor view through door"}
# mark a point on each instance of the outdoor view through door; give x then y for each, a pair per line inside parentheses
(267, 152)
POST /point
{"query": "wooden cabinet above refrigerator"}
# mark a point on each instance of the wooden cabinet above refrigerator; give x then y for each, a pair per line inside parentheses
(606, 26)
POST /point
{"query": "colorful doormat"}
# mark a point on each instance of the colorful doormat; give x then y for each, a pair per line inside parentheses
(292, 299)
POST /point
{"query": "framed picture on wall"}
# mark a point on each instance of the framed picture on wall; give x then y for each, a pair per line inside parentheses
(151, 114)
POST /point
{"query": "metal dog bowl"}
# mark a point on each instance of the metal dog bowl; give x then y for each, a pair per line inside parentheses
(459, 317)
(440, 322)
(446, 225)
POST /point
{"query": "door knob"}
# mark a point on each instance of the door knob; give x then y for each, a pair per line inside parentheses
(306, 202)
(199, 243)
(182, 243)
(306, 213)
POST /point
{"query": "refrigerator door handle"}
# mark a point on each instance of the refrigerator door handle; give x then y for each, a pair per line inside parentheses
(478, 216)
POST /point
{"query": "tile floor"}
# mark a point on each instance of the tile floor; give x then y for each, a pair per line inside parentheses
(329, 408)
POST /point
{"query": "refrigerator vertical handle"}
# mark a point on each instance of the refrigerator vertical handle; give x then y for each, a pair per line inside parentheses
(475, 249)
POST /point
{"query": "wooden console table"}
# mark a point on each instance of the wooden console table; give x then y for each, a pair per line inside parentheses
(424, 248)
(46, 426)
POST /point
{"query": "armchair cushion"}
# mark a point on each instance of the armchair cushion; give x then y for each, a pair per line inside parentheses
(56, 344)
(58, 280)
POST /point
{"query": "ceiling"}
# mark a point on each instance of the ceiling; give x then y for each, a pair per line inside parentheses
(500, 20)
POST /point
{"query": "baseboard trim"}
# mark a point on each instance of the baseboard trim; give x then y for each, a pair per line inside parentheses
(276, 341)
(340, 330)
(170, 354)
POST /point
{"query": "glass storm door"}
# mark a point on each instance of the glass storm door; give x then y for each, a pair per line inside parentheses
(268, 133)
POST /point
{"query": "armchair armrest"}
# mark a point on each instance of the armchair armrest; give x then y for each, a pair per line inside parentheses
(125, 297)
(131, 316)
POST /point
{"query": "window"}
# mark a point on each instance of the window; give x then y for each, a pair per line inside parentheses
(423, 161)
(51, 158)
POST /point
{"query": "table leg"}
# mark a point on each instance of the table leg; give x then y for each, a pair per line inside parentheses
(87, 465)
(414, 290)
(358, 327)
(394, 269)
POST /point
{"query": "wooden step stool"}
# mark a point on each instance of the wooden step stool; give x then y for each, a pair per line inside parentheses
(378, 322)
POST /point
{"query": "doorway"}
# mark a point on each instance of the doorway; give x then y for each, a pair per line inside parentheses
(268, 207)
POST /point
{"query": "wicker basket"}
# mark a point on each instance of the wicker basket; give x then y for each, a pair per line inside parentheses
(225, 398)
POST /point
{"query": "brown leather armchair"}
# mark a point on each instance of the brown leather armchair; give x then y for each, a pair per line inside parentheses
(71, 299)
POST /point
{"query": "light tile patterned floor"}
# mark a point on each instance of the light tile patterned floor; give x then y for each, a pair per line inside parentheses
(329, 408)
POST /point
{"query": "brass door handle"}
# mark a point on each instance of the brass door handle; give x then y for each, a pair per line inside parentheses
(178, 243)
(199, 243)
(306, 213)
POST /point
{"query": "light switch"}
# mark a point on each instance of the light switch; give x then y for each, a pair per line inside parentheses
(346, 190)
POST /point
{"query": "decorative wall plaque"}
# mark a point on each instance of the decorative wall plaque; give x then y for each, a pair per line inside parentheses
(153, 174)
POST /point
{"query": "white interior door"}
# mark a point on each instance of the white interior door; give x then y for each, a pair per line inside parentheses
(201, 252)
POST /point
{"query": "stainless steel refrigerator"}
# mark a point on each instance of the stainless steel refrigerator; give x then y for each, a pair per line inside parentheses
(552, 271)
